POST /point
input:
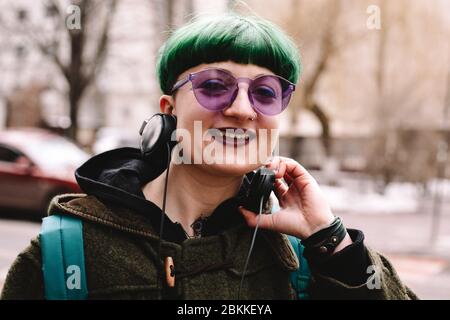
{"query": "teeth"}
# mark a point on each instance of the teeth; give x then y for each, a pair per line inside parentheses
(232, 135)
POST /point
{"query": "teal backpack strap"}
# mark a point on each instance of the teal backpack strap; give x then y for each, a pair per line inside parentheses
(62, 251)
(301, 277)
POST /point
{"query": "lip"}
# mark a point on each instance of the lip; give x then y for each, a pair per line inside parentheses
(250, 133)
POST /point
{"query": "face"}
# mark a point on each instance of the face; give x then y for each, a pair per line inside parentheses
(226, 142)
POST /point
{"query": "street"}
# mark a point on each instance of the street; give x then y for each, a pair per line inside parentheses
(403, 238)
(15, 235)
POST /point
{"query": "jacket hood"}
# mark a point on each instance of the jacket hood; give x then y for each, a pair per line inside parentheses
(117, 175)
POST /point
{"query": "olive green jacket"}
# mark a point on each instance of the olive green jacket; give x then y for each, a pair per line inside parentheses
(122, 262)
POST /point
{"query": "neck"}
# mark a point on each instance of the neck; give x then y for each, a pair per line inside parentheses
(191, 193)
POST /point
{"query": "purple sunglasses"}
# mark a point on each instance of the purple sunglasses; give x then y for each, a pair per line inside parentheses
(216, 89)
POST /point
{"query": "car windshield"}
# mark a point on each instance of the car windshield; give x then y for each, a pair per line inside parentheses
(56, 153)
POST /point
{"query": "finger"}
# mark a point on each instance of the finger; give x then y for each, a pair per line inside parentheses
(265, 220)
(288, 178)
(281, 170)
(283, 174)
(277, 167)
(278, 164)
(286, 195)
(273, 164)
(300, 176)
(294, 169)
(280, 188)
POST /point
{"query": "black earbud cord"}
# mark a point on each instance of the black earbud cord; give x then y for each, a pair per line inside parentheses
(161, 226)
(251, 248)
(251, 245)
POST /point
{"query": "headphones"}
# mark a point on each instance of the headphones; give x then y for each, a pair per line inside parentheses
(156, 133)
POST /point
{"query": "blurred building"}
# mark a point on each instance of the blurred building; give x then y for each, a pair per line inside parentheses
(125, 91)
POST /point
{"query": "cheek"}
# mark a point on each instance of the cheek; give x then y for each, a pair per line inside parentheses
(194, 119)
(274, 127)
(268, 135)
(273, 122)
(269, 125)
(192, 122)
(188, 111)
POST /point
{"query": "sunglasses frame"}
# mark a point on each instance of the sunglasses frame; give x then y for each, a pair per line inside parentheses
(191, 76)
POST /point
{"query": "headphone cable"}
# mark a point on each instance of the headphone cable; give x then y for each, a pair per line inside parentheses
(251, 248)
(161, 226)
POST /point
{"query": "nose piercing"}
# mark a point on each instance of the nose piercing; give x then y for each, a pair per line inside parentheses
(254, 116)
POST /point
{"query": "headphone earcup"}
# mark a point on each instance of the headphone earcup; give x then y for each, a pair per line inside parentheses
(261, 186)
(156, 132)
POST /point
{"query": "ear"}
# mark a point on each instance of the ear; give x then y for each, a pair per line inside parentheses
(166, 104)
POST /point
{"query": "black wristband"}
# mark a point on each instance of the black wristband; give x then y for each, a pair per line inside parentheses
(323, 243)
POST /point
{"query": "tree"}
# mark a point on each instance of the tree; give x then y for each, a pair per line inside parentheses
(76, 42)
(409, 64)
(328, 49)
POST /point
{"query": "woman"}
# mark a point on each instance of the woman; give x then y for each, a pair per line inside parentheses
(226, 80)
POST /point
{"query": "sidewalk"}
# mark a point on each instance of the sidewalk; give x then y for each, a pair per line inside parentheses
(398, 224)
(404, 239)
(15, 236)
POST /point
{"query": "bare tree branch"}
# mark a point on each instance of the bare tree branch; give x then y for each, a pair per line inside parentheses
(54, 57)
(79, 70)
(101, 49)
(328, 48)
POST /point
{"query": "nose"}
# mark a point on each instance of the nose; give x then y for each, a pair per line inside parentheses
(241, 108)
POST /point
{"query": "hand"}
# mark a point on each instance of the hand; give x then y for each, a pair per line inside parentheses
(304, 209)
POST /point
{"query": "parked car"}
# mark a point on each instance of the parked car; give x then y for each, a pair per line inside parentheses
(36, 165)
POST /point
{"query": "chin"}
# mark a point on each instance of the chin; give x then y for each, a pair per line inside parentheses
(231, 169)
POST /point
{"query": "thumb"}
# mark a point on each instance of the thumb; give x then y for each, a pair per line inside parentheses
(265, 220)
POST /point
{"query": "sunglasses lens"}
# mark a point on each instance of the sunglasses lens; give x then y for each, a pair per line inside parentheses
(266, 93)
(214, 89)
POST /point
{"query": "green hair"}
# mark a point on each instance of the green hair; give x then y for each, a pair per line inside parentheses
(246, 40)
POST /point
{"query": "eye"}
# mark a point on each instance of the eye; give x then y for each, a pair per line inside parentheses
(265, 92)
(213, 85)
